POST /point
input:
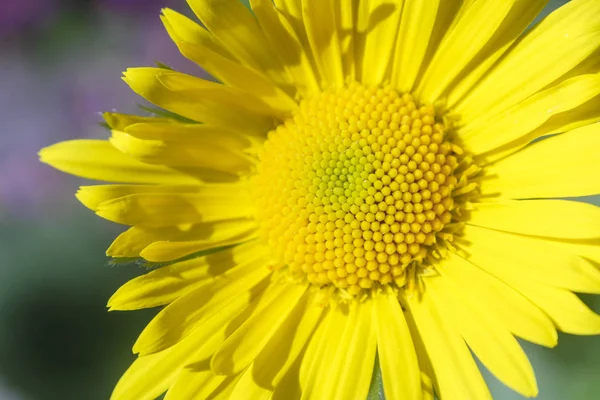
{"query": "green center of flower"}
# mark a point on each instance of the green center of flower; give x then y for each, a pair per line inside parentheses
(356, 187)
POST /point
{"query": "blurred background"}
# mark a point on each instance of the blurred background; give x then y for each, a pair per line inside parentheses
(60, 67)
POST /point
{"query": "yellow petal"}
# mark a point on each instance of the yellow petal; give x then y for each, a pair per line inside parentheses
(416, 26)
(193, 383)
(379, 40)
(513, 310)
(322, 32)
(485, 135)
(194, 135)
(98, 159)
(284, 40)
(161, 251)
(489, 339)
(121, 121)
(222, 298)
(282, 351)
(165, 285)
(131, 242)
(237, 29)
(455, 370)
(562, 166)
(428, 379)
(569, 313)
(200, 100)
(225, 390)
(548, 218)
(182, 28)
(199, 46)
(240, 349)
(520, 16)
(151, 375)
(245, 388)
(589, 249)
(350, 371)
(345, 15)
(292, 9)
(289, 386)
(399, 366)
(530, 258)
(208, 204)
(319, 355)
(93, 196)
(472, 30)
(563, 39)
(183, 154)
(585, 114)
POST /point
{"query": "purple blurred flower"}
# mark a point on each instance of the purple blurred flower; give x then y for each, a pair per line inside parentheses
(19, 14)
(43, 103)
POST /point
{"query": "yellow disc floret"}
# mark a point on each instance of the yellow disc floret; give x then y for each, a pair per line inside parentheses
(355, 187)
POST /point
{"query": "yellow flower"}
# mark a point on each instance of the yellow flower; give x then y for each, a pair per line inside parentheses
(363, 181)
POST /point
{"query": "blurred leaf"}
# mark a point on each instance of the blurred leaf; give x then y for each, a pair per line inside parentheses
(104, 125)
(163, 66)
(140, 262)
(376, 388)
(167, 114)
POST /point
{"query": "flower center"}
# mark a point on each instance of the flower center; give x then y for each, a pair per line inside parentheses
(355, 188)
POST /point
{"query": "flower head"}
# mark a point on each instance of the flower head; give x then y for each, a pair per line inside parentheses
(360, 181)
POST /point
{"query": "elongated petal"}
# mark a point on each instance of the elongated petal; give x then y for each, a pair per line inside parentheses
(98, 159)
(282, 351)
(531, 258)
(486, 135)
(589, 249)
(182, 28)
(455, 370)
(208, 204)
(399, 366)
(489, 339)
(163, 250)
(346, 14)
(237, 29)
(519, 315)
(469, 34)
(247, 388)
(322, 33)
(198, 45)
(193, 382)
(167, 284)
(351, 368)
(240, 349)
(549, 218)
(561, 166)
(183, 154)
(520, 16)
(220, 298)
(120, 121)
(379, 39)
(318, 359)
(280, 33)
(151, 375)
(563, 39)
(133, 241)
(567, 311)
(586, 114)
(200, 100)
(194, 134)
(93, 196)
(416, 25)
